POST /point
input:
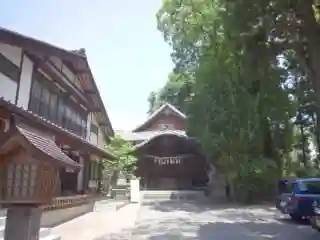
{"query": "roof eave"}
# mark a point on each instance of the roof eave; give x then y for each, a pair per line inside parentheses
(157, 112)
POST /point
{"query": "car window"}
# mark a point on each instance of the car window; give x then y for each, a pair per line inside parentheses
(311, 187)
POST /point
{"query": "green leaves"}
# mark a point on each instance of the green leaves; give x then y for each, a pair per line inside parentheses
(126, 162)
(241, 99)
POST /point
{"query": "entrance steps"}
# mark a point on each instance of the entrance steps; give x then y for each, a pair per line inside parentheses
(44, 234)
(109, 205)
(173, 195)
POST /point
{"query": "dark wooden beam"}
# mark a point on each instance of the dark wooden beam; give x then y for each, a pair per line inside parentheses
(91, 92)
(95, 110)
(103, 124)
(57, 79)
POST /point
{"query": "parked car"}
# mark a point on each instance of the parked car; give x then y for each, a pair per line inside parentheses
(297, 196)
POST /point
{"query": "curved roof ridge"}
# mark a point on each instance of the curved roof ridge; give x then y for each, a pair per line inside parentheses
(157, 112)
(177, 134)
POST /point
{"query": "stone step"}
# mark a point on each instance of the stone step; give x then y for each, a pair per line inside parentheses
(174, 195)
(107, 205)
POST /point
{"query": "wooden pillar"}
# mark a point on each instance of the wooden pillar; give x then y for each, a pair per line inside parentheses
(86, 172)
(100, 176)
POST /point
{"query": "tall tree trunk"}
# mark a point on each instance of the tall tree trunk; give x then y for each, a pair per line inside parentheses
(303, 148)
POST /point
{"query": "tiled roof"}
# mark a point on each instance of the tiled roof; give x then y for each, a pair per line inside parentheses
(142, 136)
(47, 147)
(156, 113)
(162, 133)
(33, 116)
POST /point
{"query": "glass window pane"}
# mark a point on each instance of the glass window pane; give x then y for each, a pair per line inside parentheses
(16, 191)
(45, 96)
(61, 111)
(53, 107)
(36, 89)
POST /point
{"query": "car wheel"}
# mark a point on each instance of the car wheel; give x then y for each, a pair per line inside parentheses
(295, 217)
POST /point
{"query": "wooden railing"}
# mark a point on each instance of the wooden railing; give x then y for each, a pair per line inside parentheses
(66, 202)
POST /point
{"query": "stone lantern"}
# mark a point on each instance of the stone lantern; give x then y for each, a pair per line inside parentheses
(29, 165)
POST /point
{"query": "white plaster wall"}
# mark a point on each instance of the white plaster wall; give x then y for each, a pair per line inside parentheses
(8, 88)
(101, 141)
(25, 82)
(94, 138)
(12, 53)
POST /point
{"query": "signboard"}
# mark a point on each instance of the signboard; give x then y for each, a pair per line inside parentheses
(174, 160)
(167, 160)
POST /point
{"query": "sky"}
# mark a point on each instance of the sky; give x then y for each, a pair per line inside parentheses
(127, 54)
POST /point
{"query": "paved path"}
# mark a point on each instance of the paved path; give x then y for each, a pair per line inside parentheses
(100, 224)
(187, 221)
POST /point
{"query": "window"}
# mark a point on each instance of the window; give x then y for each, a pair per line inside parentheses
(61, 112)
(94, 128)
(44, 102)
(47, 101)
(309, 187)
(41, 97)
(35, 97)
(9, 69)
(53, 111)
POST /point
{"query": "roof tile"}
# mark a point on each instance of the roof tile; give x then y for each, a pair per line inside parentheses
(47, 146)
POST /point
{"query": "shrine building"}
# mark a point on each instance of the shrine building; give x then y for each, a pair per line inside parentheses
(168, 159)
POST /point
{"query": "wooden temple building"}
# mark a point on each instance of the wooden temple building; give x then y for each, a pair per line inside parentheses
(53, 95)
(167, 158)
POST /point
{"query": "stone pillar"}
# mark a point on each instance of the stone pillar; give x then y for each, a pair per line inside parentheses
(22, 223)
(80, 175)
(135, 190)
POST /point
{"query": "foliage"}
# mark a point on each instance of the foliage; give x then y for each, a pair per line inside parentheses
(177, 91)
(126, 162)
(254, 80)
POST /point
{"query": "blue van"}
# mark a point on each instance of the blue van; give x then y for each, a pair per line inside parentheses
(296, 197)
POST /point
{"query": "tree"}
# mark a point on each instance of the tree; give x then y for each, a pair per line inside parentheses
(177, 91)
(240, 108)
(126, 162)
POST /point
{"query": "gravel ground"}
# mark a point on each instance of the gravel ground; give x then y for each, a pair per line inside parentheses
(183, 220)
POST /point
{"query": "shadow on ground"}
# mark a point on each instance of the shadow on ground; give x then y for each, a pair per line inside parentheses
(195, 207)
(224, 231)
(188, 221)
(219, 223)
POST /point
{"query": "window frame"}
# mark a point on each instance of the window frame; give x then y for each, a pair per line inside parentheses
(9, 69)
(64, 112)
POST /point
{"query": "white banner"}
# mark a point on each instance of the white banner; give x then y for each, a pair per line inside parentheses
(168, 160)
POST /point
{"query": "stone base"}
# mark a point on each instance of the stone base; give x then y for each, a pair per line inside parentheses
(23, 223)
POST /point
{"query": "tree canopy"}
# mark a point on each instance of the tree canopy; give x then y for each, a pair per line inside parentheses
(126, 162)
(246, 73)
